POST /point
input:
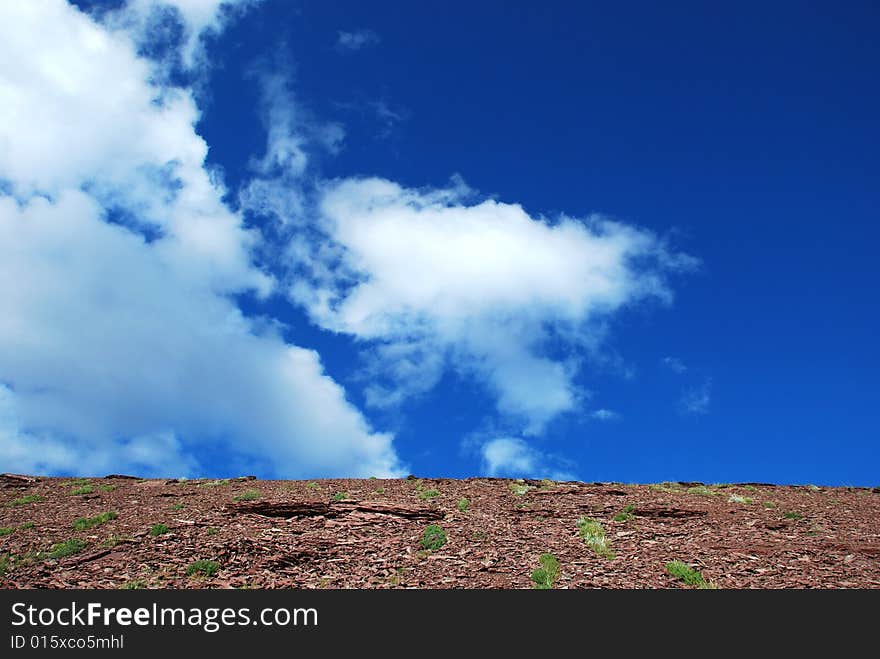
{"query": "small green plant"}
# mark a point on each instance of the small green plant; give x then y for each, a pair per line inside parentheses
(247, 495)
(701, 490)
(212, 530)
(66, 548)
(424, 495)
(626, 514)
(750, 488)
(158, 529)
(203, 568)
(26, 526)
(479, 535)
(666, 486)
(684, 572)
(433, 538)
(463, 505)
(379, 490)
(4, 563)
(545, 576)
(215, 483)
(312, 485)
(83, 489)
(813, 488)
(137, 584)
(114, 540)
(5, 530)
(593, 534)
(107, 488)
(735, 498)
(178, 506)
(793, 515)
(339, 496)
(519, 488)
(769, 504)
(23, 501)
(84, 523)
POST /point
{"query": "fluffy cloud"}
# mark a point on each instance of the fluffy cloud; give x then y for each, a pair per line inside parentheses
(433, 281)
(119, 342)
(513, 457)
(674, 364)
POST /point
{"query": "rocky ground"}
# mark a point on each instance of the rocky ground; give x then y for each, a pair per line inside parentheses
(119, 531)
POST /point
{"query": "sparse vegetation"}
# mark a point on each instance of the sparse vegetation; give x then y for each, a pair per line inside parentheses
(626, 514)
(735, 498)
(750, 488)
(519, 488)
(26, 526)
(83, 489)
(339, 496)
(23, 501)
(813, 488)
(5, 530)
(545, 576)
(114, 540)
(107, 488)
(312, 485)
(702, 490)
(212, 530)
(379, 490)
(433, 538)
(685, 573)
(84, 523)
(137, 584)
(4, 563)
(666, 486)
(66, 548)
(463, 505)
(793, 515)
(769, 504)
(593, 534)
(428, 494)
(215, 483)
(178, 506)
(202, 568)
(247, 495)
(158, 529)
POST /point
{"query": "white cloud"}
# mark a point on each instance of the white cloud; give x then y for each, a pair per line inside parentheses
(674, 364)
(355, 40)
(513, 457)
(483, 288)
(121, 349)
(605, 415)
(697, 399)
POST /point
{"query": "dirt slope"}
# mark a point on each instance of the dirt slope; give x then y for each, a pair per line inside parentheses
(294, 534)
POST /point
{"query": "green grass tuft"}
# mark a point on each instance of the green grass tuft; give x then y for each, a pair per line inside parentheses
(793, 515)
(433, 538)
(769, 504)
(107, 488)
(83, 489)
(428, 494)
(247, 495)
(339, 496)
(5, 530)
(26, 526)
(137, 584)
(463, 505)
(66, 548)
(202, 568)
(701, 490)
(158, 529)
(519, 488)
(312, 486)
(735, 498)
(23, 501)
(545, 576)
(84, 523)
(684, 572)
(593, 534)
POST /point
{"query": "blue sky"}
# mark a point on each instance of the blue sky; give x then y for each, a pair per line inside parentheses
(327, 239)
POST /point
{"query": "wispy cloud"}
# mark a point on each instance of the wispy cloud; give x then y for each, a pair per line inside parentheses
(674, 364)
(605, 415)
(356, 40)
(697, 399)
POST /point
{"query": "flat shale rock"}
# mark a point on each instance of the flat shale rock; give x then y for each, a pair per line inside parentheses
(344, 533)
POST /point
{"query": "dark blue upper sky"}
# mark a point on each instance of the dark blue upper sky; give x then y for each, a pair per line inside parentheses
(745, 133)
(749, 133)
